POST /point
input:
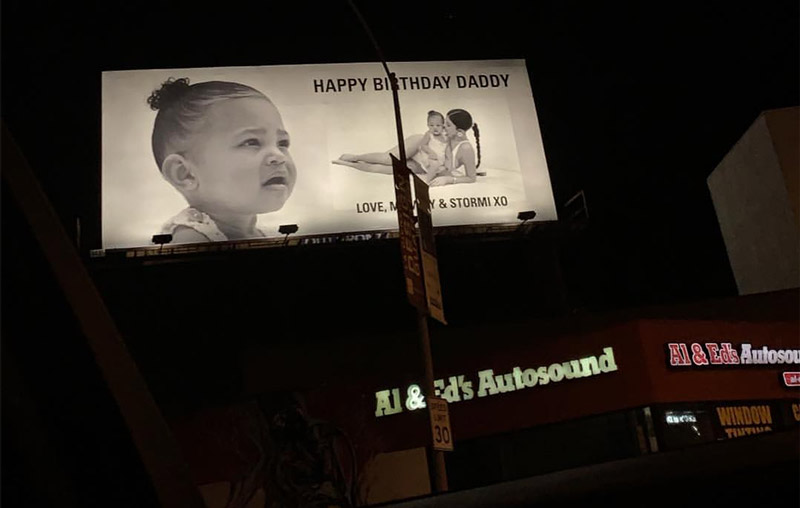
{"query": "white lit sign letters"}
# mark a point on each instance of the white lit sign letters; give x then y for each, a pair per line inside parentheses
(458, 388)
(702, 354)
(677, 418)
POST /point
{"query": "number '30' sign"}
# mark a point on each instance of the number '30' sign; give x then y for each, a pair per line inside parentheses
(440, 424)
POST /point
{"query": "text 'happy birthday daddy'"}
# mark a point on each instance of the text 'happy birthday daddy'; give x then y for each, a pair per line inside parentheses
(339, 85)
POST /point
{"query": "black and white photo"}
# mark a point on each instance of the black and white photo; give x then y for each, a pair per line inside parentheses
(223, 154)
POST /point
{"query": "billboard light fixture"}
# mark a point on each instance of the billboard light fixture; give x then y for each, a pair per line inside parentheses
(527, 215)
(162, 239)
(288, 229)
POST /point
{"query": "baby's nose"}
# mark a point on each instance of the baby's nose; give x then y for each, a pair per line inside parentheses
(275, 157)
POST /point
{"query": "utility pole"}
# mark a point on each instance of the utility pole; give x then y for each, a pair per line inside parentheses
(438, 470)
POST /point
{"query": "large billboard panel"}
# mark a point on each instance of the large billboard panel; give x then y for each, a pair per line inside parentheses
(231, 153)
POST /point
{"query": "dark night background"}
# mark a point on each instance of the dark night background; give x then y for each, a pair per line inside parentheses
(637, 104)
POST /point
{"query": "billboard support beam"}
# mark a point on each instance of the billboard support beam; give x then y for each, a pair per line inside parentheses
(437, 466)
(161, 458)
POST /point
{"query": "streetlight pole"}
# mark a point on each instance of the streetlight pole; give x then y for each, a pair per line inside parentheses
(437, 469)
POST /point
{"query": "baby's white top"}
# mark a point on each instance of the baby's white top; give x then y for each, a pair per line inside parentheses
(199, 221)
(194, 219)
(438, 147)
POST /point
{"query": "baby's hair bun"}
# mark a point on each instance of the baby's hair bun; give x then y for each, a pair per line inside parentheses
(170, 92)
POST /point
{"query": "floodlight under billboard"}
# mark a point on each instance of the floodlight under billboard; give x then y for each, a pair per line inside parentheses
(222, 154)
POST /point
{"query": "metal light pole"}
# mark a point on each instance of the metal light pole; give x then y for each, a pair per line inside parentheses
(438, 470)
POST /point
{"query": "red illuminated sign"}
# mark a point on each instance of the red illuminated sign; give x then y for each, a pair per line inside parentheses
(705, 354)
(791, 378)
(683, 355)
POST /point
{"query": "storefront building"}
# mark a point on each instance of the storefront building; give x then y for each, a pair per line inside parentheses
(532, 397)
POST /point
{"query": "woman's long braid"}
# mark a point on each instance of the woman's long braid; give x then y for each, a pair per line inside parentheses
(477, 134)
(463, 120)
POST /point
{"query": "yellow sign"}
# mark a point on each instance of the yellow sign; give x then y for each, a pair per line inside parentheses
(415, 287)
(430, 266)
(738, 421)
(433, 291)
(440, 424)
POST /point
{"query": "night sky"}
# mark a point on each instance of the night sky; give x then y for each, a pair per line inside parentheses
(637, 103)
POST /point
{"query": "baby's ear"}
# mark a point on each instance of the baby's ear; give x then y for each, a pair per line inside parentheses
(176, 171)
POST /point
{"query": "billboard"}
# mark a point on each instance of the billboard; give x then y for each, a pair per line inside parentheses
(229, 153)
